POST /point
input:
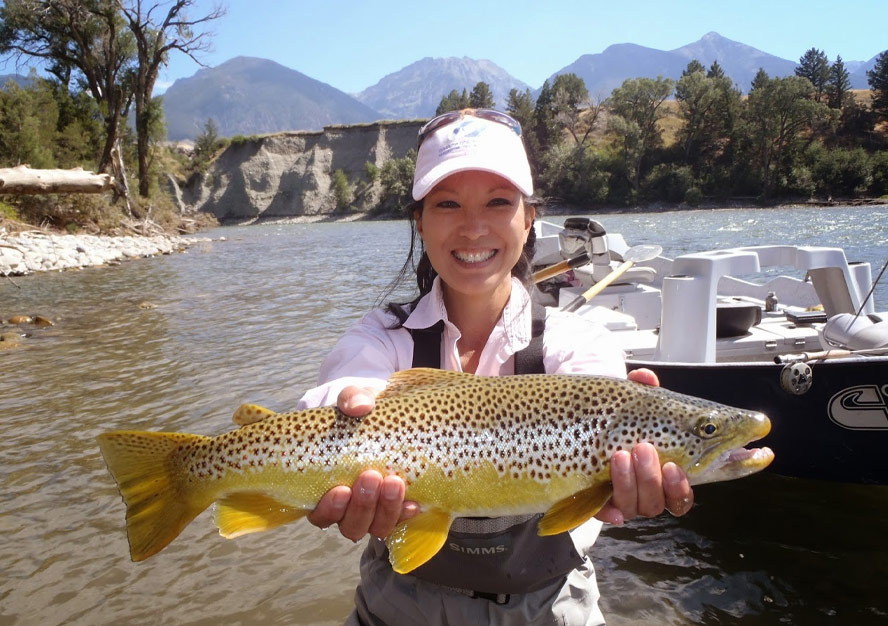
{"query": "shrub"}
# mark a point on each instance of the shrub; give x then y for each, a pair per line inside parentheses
(342, 191)
(669, 182)
(842, 172)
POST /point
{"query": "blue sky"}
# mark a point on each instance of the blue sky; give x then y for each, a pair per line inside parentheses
(352, 44)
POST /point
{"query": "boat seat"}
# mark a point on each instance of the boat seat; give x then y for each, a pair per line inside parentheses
(832, 289)
(734, 318)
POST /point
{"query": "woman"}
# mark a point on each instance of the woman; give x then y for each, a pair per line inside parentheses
(474, 213)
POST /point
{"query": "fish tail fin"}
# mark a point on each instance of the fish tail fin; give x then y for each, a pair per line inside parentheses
(159, 503)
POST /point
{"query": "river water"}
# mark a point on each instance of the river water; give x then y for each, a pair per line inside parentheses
(249, 319)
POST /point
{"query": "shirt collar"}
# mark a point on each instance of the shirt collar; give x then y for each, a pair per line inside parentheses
(515, 322)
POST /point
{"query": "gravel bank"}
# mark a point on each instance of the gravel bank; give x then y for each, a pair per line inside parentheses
(27, 252)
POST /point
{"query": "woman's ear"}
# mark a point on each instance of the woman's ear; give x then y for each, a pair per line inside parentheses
(529, 215)
(417, 219)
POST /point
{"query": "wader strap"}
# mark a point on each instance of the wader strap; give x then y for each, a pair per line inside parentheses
(427, 345)
(529, 360)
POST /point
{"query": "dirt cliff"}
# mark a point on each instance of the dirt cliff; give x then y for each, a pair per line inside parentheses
(290, 174)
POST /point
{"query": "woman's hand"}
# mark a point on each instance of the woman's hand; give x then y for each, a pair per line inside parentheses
(641, 486)
(374, 504)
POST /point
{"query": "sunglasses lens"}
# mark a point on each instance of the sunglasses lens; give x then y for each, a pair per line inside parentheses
(446, 118)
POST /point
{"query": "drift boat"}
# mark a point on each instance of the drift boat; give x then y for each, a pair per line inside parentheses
(811, 352)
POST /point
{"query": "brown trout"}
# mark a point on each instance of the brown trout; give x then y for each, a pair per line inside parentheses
(465, 445)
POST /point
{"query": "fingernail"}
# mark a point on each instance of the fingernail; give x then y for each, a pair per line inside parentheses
(340, 499)
(621, 463)
(391, 490)
(360, 399)
(671, 475)
(369, 492)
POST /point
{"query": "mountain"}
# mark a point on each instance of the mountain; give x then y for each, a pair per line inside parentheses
(416, 90)
(19, 79)
(739, 61)
(607, 70)
(858, 75)
(248, 96)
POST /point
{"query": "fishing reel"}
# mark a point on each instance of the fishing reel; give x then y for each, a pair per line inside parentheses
(796, 378)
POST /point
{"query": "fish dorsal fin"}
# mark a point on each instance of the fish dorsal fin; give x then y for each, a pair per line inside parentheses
(573, 510)
(250, 414)
(252, 512)
(418, 539)
(420, 377)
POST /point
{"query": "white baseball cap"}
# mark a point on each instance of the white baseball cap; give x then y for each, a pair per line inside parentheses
(480, 139)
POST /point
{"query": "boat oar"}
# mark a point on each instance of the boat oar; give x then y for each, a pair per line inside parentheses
(559, 268)
(633, 255)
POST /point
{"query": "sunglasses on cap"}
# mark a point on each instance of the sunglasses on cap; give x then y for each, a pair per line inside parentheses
(486, 114)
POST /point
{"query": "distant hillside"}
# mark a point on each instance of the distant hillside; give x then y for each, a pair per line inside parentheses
(416, 90)
(858, 74)
(739, 61)
(248, 96)
(607, 70)
(22, 81)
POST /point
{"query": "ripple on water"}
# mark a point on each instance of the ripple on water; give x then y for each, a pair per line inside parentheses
(250, 320)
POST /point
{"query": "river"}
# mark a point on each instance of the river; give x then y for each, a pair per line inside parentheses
(249, 320)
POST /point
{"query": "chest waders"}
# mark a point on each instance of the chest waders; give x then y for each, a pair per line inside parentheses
(492, 558)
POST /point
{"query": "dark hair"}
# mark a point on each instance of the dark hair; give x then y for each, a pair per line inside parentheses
(425, 273)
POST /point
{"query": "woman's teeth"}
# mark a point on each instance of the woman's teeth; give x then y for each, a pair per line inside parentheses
(474, 257)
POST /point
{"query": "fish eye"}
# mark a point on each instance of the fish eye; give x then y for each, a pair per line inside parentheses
(707, 430)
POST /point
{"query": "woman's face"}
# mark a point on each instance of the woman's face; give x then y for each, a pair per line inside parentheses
(474, 225)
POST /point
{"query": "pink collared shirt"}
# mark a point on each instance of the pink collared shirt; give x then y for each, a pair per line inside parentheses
(372, 350)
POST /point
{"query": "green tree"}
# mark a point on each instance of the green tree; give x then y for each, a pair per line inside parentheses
(814, 65)
(84, 38)
(715, 71)
(839, 84)
(207, 142)
(760, 80)
(576, 174)
(878, 82)
(396, 178)
(342, 192)
(545, 127)
(778, 113)
(481, 96)
(454, 101)
(28, 118)
(692, 67)
(572, 109)
(519, 104)
(636, 108)
(155, 38)
(708, 107)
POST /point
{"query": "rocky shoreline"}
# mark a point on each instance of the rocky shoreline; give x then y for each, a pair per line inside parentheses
(35, 251)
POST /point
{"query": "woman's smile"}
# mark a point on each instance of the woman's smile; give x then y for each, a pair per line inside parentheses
(473, 257)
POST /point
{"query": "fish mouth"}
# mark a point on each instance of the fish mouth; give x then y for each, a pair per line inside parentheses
(740, 461)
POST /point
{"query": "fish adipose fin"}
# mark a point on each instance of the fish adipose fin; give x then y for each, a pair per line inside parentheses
(418, 539)
(252, 512)
(250, 414)
(569, 513)
(158, 506)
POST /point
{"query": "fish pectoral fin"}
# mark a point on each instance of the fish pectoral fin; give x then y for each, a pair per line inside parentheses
(252, 512)
(569, 513)
(418, 539)
(250, 414)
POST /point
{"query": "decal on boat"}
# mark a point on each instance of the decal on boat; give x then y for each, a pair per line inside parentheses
(863, 407)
